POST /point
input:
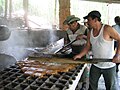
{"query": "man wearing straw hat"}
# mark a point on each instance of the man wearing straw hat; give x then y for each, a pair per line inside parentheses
(75, 31)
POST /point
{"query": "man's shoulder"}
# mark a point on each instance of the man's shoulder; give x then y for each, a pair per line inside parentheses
(83, 27)
(113, 25)
(108, 29)
(116, 26)
(68, 31)
(106, 26)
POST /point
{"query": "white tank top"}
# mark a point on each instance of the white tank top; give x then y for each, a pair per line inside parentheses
(102, 48)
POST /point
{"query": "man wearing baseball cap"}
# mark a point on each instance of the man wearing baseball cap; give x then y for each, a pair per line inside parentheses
(101, 39)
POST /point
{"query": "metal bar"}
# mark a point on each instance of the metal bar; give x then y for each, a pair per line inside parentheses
(100, 60)
(69, 43)
(66, 46)
(94, 60)
(69, 60)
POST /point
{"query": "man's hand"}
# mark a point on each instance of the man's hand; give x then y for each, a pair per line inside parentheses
(76, 57)
(116, 58)
(81, 36)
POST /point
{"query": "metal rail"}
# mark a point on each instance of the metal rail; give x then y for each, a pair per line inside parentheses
(66, 46)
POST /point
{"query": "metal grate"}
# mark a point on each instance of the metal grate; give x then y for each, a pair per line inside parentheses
(13, 78)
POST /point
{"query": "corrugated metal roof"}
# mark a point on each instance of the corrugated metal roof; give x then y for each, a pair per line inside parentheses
(106, 1)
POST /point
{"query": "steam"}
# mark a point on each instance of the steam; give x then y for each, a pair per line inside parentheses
(22, 43)
(13, 46)
(18, 43)
(52, 36)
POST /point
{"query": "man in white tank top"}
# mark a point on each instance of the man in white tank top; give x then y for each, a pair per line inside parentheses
(101, 39)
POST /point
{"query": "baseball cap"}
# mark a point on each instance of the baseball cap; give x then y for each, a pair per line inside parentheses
(93, 13)
(70, 19)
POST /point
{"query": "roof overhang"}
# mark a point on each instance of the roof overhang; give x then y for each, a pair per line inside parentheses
(105, 1)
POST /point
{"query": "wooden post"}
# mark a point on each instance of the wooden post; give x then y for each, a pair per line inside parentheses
(6, 7)
(10, 9)
(25, 7)
(64, 11)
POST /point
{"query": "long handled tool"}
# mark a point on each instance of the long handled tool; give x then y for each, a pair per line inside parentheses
(69, 60)
(94, 60)
(66, 46)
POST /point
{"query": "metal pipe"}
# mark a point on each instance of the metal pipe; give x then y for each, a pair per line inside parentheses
(66, 46)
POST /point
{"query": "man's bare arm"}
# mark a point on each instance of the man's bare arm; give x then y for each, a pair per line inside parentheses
(116, 36)
(85, 49)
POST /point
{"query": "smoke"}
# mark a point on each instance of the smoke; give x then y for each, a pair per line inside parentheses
(15, 45)
(21, 43)
(52, 36)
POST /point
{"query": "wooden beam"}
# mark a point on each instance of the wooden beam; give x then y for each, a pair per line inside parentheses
(10, 9)
(25, 7)
(6, 7)
(64, 11)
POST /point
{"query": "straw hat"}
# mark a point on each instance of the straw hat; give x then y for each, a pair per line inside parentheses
(70, 19)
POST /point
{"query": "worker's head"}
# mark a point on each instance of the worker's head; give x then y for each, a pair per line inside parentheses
(71, 21)
(93, 17)
(93, 14)
(117, 20)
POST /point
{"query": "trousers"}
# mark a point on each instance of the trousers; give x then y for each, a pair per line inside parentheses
(109, 76)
